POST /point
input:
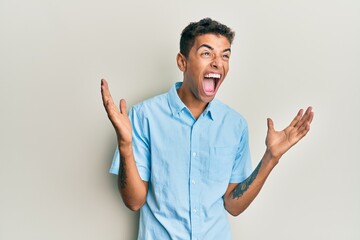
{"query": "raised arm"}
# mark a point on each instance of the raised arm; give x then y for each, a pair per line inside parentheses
(132, 188)
(239, 195)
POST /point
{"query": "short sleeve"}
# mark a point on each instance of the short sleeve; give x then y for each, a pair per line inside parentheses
(140, 144)
(242, 167)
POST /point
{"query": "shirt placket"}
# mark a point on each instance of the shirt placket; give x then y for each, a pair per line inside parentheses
(195, 174)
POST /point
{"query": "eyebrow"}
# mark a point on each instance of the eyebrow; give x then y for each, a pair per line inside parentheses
(211, 48)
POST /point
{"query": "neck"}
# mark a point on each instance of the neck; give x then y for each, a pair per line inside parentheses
(195, 106)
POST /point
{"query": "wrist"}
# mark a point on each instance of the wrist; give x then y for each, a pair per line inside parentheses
(125, 149)
(269, 159)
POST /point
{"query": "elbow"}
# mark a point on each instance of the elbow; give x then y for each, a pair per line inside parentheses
(133, 207)
(234, 213)
(234, 210)
(134, 200)
(133, 204)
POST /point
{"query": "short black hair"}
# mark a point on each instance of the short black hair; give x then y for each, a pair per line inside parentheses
(204, 26)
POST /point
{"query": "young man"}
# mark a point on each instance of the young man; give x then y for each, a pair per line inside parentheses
(183, 157)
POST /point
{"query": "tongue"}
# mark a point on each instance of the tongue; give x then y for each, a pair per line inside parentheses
(209, 85)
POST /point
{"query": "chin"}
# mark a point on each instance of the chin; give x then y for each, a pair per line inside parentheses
(206, 99)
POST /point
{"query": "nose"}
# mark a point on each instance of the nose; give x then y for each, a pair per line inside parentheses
(216, 62)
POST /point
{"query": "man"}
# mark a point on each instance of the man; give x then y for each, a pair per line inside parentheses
(183, 157)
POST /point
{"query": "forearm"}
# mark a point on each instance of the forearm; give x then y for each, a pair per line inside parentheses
(240, 196)
(132, 188)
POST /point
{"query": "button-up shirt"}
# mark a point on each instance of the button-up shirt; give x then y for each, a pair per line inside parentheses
(188, 164)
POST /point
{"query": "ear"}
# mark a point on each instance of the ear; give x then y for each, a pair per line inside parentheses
(181, 62)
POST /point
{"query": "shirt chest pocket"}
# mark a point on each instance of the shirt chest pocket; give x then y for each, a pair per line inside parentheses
(220, 164)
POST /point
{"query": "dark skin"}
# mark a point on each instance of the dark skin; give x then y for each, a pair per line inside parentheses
(209, 55)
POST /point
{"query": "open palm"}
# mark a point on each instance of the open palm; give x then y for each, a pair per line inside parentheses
(278, 142)
(118, 116)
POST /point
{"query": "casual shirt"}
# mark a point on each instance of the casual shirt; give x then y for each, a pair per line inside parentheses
(188, 164)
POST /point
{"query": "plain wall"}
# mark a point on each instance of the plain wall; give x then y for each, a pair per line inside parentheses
(56, 143)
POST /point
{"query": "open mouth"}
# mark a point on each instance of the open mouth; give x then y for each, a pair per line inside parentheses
(210, 83)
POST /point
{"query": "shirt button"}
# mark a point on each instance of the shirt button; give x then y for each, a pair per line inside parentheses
(194, 154)
(195, 210)
(193, 181)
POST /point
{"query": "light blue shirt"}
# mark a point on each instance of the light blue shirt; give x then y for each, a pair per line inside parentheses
(188, 164)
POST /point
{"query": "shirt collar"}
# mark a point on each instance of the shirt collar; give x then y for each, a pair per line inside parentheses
(176, 105)
(210, 109)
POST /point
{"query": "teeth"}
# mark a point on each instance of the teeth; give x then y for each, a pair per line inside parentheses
(212, 75)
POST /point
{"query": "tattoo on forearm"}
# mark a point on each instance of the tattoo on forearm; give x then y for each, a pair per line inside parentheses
(122, 173)
(244, 185)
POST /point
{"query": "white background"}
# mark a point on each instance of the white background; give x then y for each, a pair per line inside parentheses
(56, 143)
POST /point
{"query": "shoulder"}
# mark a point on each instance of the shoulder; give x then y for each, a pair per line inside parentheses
(225, 112)
(150, 105)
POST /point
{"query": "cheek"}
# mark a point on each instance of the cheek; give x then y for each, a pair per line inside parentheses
(226, 68)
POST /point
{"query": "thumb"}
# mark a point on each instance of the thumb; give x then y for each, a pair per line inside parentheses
(123, 109)
(270, 124)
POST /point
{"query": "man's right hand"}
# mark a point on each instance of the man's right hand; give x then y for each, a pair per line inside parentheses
(118, 116)
(132, 188)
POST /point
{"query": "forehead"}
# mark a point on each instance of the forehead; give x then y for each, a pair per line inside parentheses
(217, 42)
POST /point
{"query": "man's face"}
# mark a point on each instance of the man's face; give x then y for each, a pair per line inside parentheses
(206, 66)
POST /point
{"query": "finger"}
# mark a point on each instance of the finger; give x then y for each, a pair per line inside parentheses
(305, 127)
(308, 122)
(104, 84)
(270, 124)
(104, 89)
(303, 131)
(311, 117)
(123, 109)
(296, 118)
(310, 114)
(105, 93)
(306, 118)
